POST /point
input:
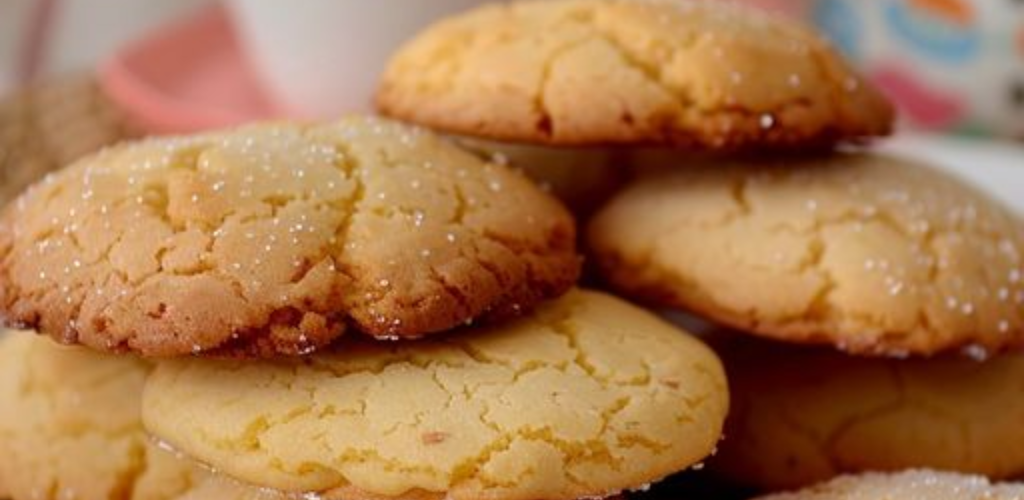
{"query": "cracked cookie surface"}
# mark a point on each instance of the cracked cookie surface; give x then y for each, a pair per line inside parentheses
(586, 397)
(908, 485)
(70, 429)
(708, 75)
(70, 426)
(271, 239)
(872, 254)
(802, 415)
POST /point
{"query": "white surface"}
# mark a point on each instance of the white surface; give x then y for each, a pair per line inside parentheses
(322, 58)
(995, 166)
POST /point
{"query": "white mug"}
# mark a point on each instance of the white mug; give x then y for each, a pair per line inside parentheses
(322, 58)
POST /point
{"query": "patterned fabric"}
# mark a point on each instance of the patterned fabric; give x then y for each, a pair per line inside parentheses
(954, 65)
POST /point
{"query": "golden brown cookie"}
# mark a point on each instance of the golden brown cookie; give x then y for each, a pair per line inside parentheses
(709, 75)
(270, 239)
(873, 254)
(802, 415)
(587, 397)
(908, 485)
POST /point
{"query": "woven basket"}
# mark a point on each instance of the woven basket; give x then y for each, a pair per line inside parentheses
(47, 126)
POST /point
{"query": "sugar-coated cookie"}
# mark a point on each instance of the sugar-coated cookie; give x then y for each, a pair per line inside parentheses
(907, 485)
(873, 254)
(802, 415)
(588, 396)
(70, 427)
(704, 74)
(270, 239)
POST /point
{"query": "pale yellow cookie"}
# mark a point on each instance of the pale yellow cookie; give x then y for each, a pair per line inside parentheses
(802, 415)
(587, 397)
(70, 427)
(705, 74)
(270, 239)
(872, 254)
(908, 485)
(70, 430)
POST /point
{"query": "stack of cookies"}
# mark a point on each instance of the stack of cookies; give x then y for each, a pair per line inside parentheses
(352, 310)
(750, 201)
(365, 310)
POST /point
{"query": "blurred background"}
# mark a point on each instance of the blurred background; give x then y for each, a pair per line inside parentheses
(41, 38)
(953, 66)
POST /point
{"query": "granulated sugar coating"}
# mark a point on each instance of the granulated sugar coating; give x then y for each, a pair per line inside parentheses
(871, 254)
(271, 239)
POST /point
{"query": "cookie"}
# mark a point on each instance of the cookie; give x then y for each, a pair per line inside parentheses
(908, 485)
(706, 75)
(873, 254)
(587, 397)
(802, 415)
(272, 239)
(70, 427)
